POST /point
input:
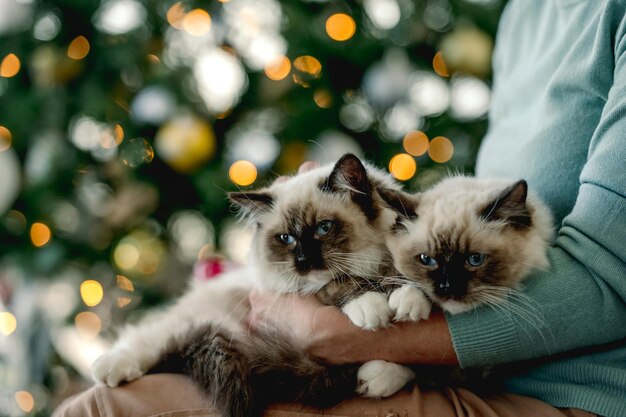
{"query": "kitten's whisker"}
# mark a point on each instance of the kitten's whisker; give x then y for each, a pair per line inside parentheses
(520, 309)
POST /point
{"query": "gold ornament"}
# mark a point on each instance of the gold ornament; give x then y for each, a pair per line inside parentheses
(185, 143)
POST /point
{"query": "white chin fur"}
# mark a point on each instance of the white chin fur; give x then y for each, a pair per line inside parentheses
(314, 281)
(455, 307)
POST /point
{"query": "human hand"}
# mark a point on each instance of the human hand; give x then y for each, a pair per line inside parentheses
(321, 331)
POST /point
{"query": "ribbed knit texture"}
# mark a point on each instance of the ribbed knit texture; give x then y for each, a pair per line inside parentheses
(558, 119)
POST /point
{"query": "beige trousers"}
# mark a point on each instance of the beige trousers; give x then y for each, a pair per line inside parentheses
(169, 395)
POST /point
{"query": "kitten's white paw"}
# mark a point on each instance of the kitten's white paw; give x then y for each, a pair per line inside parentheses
(116, 366)
(380, 378)
(409, 304)
(369, 311)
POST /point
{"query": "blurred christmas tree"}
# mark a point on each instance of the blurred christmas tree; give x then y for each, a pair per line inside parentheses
(122, 123)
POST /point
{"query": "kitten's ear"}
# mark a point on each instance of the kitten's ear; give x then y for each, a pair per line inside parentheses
(348, 174)
(510, 206)
(404, 204)
(252, 202)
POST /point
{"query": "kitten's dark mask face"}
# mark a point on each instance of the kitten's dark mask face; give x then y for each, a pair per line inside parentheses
(459, 257)
(315, 227)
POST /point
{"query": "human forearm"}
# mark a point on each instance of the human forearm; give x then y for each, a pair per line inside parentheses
(336, 340)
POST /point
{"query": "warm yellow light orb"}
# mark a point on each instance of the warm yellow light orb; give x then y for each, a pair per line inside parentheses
(25, 401)
(8, 323)
(323, 98)
(197, 22)
(10, 66)
(91, 292)
(415, 143)
(439, 65)
(440, 149)
(308, 64)
(40, 234)
(242, 173)
(124, 283)
(111, 138)
(402, 166)
(340, 27)
(278, 69)
(175, 15)
(88, 324)
(79, 48)
(126, 256)
(5, 138)
(186, 142)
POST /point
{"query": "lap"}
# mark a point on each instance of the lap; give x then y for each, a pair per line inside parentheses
(170, 395)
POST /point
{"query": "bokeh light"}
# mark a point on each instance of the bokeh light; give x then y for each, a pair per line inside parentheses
(323, 98)
(123, 283)
(40, 234)
(8, 323)
(340, 27)
(221, 79)
(117, 17)
(5, 138)
(384, 14)
(242, 173)
(10, 66)
(307, 68)
(440, 149)
(111, 138)
(279, 69)
(415, 143)
(91, 292)
(126, 256)
(197, 22)
(175, 15)
(470, 96)
(402, 166)
(88, 324)
(185, 143)
(47, 27)
(136, 151)
(122, 301)
(439, 65)
(79, 48)
(25, 401)
(139, 252)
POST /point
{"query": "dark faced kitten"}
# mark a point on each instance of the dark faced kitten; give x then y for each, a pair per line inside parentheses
(468, 242)
(464, 243)
(321, 232)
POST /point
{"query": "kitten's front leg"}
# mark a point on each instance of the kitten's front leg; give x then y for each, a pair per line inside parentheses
(369, 310)
(409, 304)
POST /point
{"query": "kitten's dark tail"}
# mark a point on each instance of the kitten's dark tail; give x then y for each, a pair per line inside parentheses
(244, 377)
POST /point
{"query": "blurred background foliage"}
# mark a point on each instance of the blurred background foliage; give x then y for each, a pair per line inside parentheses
(123, 123)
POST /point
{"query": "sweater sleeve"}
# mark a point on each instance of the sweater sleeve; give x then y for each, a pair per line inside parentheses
(580, 301)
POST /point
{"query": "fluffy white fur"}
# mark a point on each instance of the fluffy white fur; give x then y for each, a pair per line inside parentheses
(223, 301)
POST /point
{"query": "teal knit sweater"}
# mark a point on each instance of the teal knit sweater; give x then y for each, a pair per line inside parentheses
(558, 119)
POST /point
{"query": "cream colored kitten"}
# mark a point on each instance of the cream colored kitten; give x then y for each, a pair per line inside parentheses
(464, 243)
(314, 228)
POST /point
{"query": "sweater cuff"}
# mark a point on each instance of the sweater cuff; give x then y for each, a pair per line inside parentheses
(481, 329)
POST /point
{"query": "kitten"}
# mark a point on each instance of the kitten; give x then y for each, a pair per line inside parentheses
(320, 232)
(464, 243)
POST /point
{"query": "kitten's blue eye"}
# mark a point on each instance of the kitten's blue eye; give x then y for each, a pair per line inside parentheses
(427, 260)
(476, 259)
(287, 239)
(324, 227)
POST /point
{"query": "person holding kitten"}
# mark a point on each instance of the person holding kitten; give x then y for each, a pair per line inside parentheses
(558, 120)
